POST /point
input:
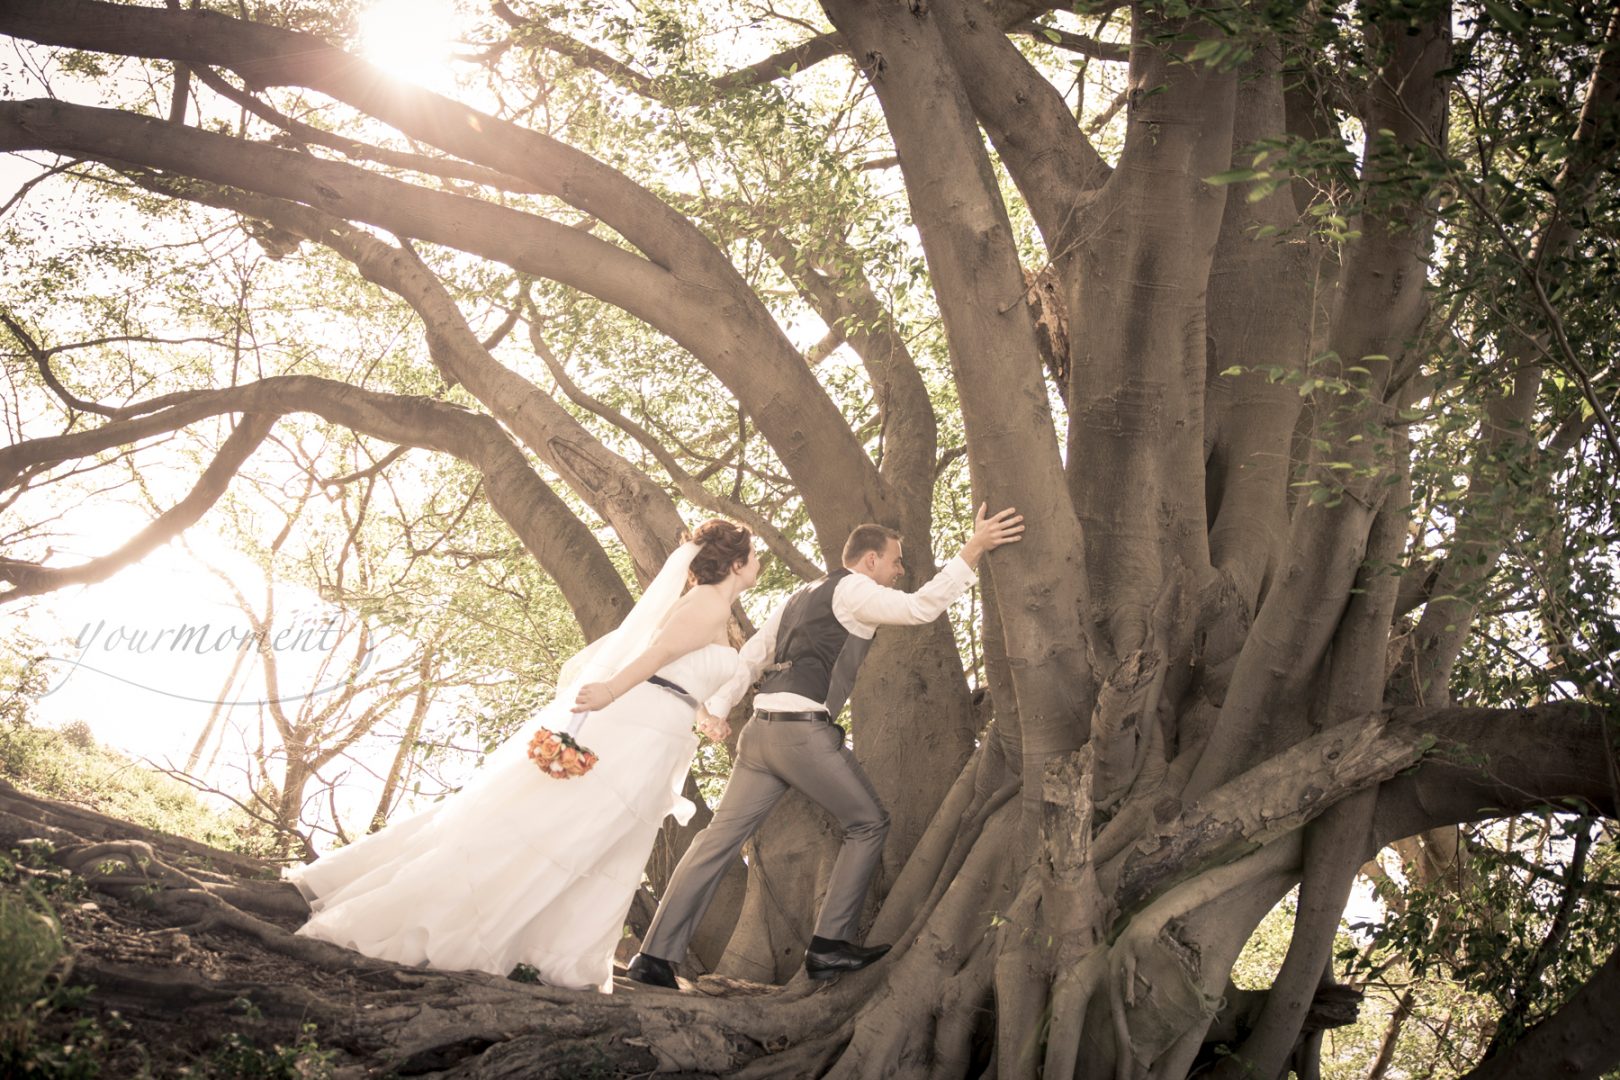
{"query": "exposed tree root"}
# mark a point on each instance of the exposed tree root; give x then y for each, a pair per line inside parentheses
(1022, 981)
(895, 1029)
(132, 869)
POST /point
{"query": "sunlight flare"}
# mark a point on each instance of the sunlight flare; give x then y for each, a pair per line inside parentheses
(411, 40)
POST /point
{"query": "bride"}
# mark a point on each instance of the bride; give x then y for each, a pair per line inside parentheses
(518, 867)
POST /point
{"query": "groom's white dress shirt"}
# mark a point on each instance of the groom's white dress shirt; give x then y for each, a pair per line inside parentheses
(860, 605)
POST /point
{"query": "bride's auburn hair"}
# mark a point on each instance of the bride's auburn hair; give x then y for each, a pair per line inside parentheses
(721, 544)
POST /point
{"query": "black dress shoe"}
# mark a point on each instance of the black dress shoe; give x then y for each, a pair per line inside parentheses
(825, 963)
(652, 971)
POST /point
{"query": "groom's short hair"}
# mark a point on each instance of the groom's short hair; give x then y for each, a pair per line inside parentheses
(868, 537)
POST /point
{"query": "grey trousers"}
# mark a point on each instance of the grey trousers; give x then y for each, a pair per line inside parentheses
(772, 756)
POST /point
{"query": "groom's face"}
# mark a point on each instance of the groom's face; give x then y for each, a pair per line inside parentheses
(890, 566)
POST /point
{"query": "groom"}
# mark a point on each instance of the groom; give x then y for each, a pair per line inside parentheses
(809, 650)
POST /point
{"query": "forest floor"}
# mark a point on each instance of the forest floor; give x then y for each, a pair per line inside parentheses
(177, 959)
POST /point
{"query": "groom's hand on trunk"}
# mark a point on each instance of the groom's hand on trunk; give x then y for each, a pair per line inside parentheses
(991, 531)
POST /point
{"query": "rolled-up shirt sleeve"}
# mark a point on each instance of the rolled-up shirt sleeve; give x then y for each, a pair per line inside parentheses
(751, 661)
(861, 604)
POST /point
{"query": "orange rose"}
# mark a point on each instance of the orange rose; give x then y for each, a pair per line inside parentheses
(544, 746)
(559, 756)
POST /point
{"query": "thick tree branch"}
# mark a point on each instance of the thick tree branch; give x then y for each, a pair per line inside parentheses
(1380, 306)
(1011, 436)
(1050, 159)
(1249, 417)
(1274, 798)
(527, 242)
(1136, 389)
(1497, 762)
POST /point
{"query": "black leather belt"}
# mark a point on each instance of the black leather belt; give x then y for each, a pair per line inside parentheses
(808, 714)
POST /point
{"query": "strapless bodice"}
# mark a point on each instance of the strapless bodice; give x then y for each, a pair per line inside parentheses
(702, 671)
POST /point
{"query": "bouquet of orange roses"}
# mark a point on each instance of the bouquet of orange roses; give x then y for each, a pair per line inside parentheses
(559, 754)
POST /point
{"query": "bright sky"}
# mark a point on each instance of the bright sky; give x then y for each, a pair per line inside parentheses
(144, 657)
(148, 693)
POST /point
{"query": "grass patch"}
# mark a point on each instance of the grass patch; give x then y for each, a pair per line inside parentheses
(69, 765)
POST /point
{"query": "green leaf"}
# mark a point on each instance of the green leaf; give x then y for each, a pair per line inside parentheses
(1505, 15)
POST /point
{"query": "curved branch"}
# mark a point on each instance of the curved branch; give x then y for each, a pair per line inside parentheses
(1332, 848)
(790, 60)
(1111, 51)
(447, 168)
(42, 359)
(910, 430)
(28, 579)
(558, 540)
(523, 241)
(638, 510)
(690, 487)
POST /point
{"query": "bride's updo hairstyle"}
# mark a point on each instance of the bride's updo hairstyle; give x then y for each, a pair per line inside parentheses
(723, 545)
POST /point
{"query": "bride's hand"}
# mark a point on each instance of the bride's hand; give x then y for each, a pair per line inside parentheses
(593, 696)
(715, 727)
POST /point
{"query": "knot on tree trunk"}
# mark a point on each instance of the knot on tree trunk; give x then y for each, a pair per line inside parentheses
(1121, 725)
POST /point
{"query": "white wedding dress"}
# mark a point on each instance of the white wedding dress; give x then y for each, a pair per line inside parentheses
(518, 867)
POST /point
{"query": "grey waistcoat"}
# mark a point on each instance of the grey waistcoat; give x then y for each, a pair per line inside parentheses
(816, 657)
